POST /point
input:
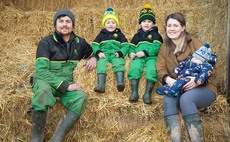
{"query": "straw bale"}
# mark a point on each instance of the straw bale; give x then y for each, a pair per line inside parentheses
(108, 116)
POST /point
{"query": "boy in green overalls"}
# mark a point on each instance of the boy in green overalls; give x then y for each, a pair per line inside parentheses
(111, 46)
(143, 52)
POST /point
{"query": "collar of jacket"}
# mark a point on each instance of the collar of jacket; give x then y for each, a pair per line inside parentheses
(58, 37)
(154, 28)
(107, 32)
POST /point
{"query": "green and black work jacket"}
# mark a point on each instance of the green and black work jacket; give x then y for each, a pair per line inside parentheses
(149, 42)
(57, 59)
(110, 43)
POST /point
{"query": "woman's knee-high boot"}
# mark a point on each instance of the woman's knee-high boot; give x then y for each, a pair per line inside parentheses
(193, 126)
(174, 127)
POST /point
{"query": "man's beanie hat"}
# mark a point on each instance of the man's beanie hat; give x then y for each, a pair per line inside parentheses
(147, 14)
(110, 14)
(64, 12)
(204, 53)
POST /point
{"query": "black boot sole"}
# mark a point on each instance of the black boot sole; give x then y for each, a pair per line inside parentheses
(120, 87)
(99, 90)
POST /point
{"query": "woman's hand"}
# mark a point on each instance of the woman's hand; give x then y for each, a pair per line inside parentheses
(190, 85)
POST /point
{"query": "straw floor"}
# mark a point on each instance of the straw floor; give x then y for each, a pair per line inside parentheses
(108, 117)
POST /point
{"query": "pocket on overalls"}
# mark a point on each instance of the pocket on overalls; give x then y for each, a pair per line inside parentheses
(32, 81)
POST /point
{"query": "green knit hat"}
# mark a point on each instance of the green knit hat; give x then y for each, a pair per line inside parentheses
(147, 14)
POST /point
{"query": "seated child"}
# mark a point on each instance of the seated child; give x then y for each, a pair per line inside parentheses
(200, 65)
(111, 46)
(143, 52)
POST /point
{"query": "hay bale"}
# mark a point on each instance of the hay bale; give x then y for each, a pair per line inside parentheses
(108, 116)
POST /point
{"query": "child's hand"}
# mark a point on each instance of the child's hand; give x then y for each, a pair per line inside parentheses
(140, 54)
(117, 55)
(101, 55)
(132, 56)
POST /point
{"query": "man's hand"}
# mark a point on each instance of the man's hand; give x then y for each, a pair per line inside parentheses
(74, 87)
(91, 64)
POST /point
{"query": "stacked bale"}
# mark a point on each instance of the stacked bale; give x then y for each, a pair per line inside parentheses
(108, 116)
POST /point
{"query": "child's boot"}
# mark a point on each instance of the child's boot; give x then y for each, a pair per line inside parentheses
(120, 81)
(134, 85)
(101, 83)
(148, 91)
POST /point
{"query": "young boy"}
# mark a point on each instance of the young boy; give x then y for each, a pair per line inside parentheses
(200, 66)
(143, 52)
(111, 46)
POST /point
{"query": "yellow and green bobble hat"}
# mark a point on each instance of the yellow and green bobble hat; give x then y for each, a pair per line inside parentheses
(110, 14)
(147, 14)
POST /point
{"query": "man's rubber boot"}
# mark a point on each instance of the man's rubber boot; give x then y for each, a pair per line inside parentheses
(101, 83)
(38, 125)
(64, 126)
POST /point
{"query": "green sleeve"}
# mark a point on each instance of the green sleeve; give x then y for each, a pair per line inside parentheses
(131, 49)
(154, 48)
(95, 47)
(42, 72)
(125, 48)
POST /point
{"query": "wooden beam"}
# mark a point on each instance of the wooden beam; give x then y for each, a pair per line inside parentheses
(228, 56)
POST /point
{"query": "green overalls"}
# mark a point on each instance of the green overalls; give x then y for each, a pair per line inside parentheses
(109, 43)
(148, 42)
(55, 63)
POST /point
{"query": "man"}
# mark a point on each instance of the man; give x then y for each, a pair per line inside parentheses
(56, 58)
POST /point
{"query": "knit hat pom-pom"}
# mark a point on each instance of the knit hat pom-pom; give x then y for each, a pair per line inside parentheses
(110, 14)
(207, 45)
(109, 9)
(148, 6)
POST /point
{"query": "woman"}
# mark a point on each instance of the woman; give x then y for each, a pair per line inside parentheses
(178, 47)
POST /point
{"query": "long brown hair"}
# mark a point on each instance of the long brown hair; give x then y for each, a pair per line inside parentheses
(169, 45)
